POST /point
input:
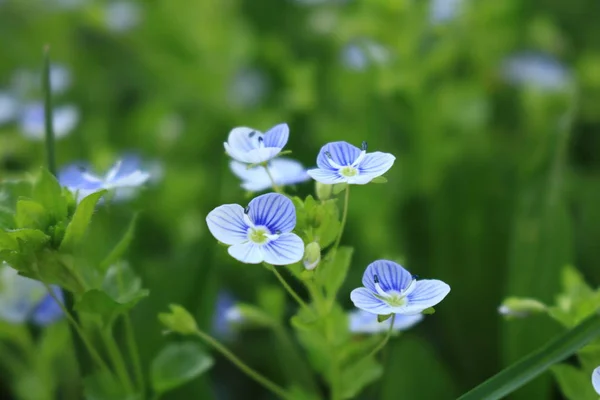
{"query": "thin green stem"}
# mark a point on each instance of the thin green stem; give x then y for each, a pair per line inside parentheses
(134, 353)
(344, 218)
(289, 288)
(276, 188)
(225, 352)
(90, 348)
(386, 339)
(50, 154)
(117, 359)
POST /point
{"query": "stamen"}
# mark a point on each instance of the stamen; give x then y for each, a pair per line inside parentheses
(364, 145)
(247, 210)
(278, 232)
(81, 169)
(251, 134)
(378, 288)
(375, 279)
(328, 154)
(409, 289)
(261, 142)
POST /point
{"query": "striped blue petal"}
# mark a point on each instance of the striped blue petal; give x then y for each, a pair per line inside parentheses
(391, 276)
(287, 249)
(428, 293)
(326, 176)
(277, 136)
(364, 299)
(248, 253)
(274, 211)
(227, 225)
(375, 164)
(342, 153)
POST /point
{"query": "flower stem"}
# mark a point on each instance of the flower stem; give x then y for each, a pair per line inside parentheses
(344, 217)
(386, 339)
(50, 154)
(134, 353)
(289, 288)
(276, 188)
(117, 359)
(273, 387)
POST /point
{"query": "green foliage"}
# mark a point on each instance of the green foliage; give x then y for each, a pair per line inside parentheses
(333, 270)
(574, 383)
(98, 303)
(48, 193)
(177, 364)
(119, 250)
(179, 320)
(317, 222)
(103, 386)
(79, 223)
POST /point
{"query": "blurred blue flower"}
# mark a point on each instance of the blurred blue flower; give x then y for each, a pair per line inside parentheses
(441, 11)
(226, 315)
(32, 124)
(261, 232)
(284, 171)
(341, 162)
(26, 83)
(121, 16)
(536, 70)
(123, 177)
(248, 88)
(365, 322)
(250, 146)
(596, 379)
(362, 53)
(390, 289)
(23, 299)
(9, 107)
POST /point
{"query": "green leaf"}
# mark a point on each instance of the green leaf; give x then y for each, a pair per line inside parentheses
(525, 370)
(121, 247)
(98, 303)
(574, 383)
(177, 364)
(333, 270)
(379, 179)
(79, 224)
(326, 223)
(103, 386)
(429, 311)
(122, 284)
(48, 192)
(358, 375)
(31, 214)
(179, 320)
(381, 318)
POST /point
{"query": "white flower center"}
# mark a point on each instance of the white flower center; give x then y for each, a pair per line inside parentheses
(261, 235)
(393, 297)
(348, 172)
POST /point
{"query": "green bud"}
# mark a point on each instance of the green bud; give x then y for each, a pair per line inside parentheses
(521, 307)
(324, 191)
(179, 320)
(312, 255)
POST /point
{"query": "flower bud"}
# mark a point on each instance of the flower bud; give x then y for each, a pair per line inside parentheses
(324, 191)
(312, 255)
(179, 320)
(517, 307)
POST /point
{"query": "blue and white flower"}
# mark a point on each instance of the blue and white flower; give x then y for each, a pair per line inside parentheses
(536, 70)
(227, 315)
(341, 162)
(32, 123)
(596, 379)
(124, 176)
(390, 289)
(363, 53)
(26, 300)
(367, 323)
(284, 171)
(25, 83)
(250, 146)
(9, 107)
(260, 232)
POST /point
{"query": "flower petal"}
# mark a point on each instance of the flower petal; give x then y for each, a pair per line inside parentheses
(48, 311)
(365, 322)
(364, 299)
(427, 293)
(327, 176)
(374, 165)
(255, 156)
(277, 136)
(273, 210)
(342, 153)
(9, 107)
(32, 121)
(285, 171)
(285, 250)
(391, 276)
(134, 179)
(242, 139)
(247, 252)
(596, 380)
(75, 176)
(227, 225)
(253, 179)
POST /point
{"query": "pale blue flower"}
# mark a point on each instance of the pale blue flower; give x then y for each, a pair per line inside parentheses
(260, 232)
(227, 315)
(250, 146)
(362, 53)
(124, 175)
(26, 83)
(26, 300)
(390, 289)
(31, 121)
(9, 107)
(341, 162)
(596, 379)
(121, 16)
(441, 11)
(284, 171)
(365, 322)
(536, 70)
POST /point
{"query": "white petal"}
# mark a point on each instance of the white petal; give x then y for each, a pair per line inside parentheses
(373, 165)
(326, 176)
(253, 179)
(273, 210)
(428, 293)
(285, 250)
(242, 139)
(65, 120)
(248, 253)
(134, 179)
(8, 107)
(364, 299)
(227, 225)
(596, 379)
(285, 171)
(365, 322)
(277, 136)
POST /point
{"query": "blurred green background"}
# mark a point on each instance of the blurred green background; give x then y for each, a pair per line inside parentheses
(495, 187)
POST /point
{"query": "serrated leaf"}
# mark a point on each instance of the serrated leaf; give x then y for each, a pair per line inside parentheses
(31, 214)
(177, 364)
(121, 247)
(48, 192)
(81, 219)
(98, 303)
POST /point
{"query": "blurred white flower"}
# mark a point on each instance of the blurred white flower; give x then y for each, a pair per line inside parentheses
(363, 53)
(9, 107)
(27, 83)
(441, 11)
(31, 120)
(248, 88)
(536, 70)
(121, 16)
(365, 322)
